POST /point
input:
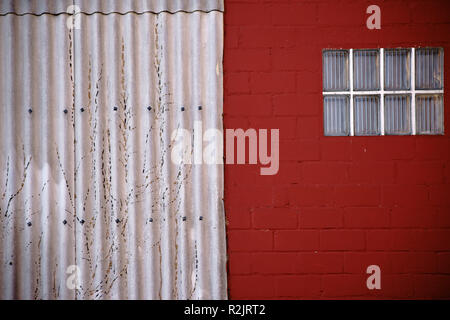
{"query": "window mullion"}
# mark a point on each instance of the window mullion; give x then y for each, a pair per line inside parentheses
(352, 129)
(381, 91)
(413, 91)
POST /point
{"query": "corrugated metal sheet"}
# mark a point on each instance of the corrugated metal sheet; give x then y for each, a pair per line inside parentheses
(85, 142)
(39, 7)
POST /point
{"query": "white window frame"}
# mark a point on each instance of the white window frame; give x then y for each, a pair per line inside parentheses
(412, 92)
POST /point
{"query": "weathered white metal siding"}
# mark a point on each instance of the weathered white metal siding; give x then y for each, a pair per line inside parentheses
(38, 7)
(86, 179)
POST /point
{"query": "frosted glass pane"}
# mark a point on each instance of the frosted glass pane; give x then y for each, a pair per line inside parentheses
(397, 69)
(335, 70)
(336, 115)
(367, 115)
(397, 114)
(429, 114)
(366, 73)
(429, 68)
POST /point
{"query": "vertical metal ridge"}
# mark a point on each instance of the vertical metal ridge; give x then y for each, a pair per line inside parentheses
(197, 175)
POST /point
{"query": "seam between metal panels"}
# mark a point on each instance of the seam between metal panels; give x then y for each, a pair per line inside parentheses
(73, 74)
(106, 13)
(74, 94)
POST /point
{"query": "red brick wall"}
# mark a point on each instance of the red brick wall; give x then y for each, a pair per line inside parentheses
(338, 204)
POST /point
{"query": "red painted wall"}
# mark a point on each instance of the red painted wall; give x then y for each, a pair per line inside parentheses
(339, 204)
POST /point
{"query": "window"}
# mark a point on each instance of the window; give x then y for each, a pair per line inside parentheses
(374, 92)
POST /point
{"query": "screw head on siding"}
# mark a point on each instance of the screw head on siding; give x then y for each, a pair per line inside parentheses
(117, 220)
(151, 219)
(149, 108)
(30, 110)
(200, 218)
(65, 111)
(29, 224)
(182, 108)
(82, 221)
(64, 221)
(199, 107)
(10, 263)
(82, 109)
(115, 108)
(184, 218)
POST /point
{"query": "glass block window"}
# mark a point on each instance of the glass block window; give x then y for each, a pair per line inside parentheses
(336, 121)
(397, 114)
(383, 91)
(429, 114)
(397, 69)
(429, 68)
(366, 70)
(335, 70)
(367, 115)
